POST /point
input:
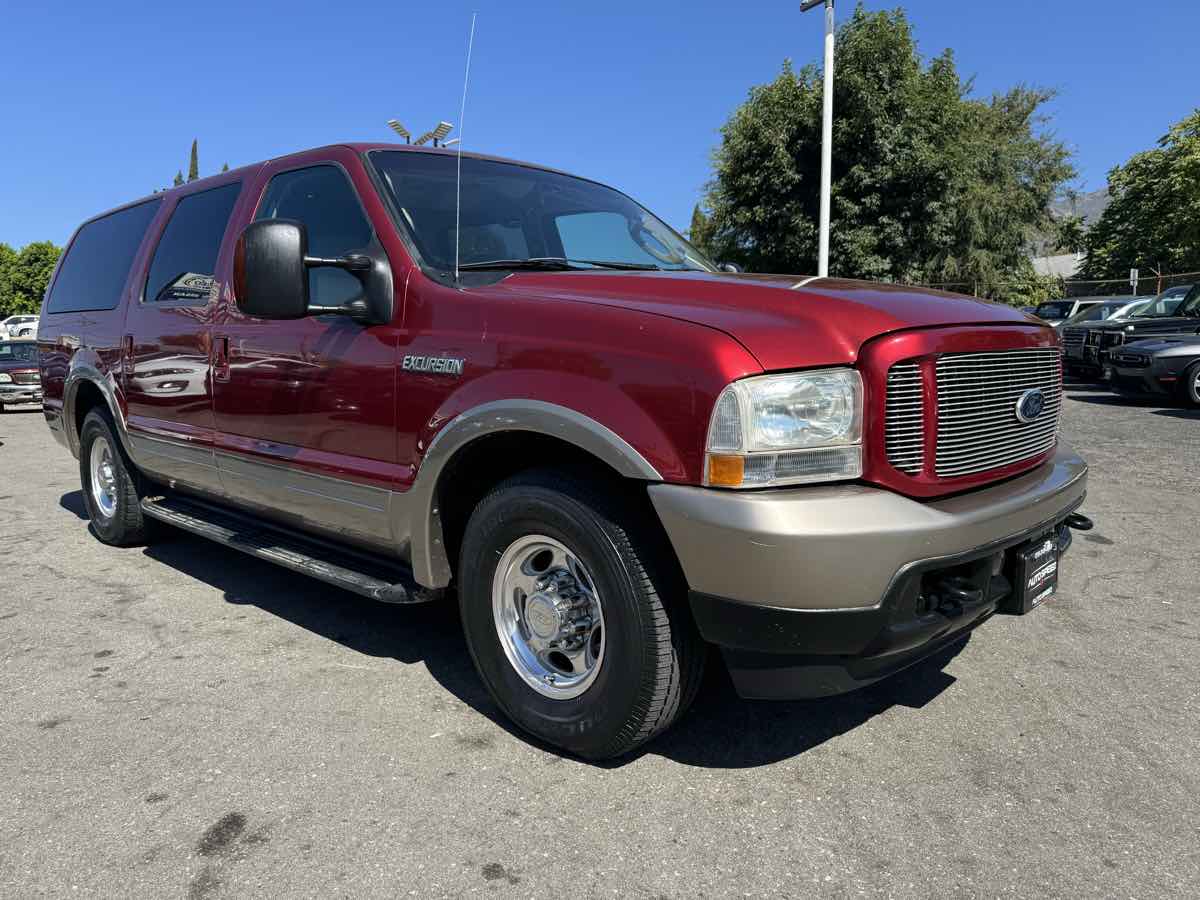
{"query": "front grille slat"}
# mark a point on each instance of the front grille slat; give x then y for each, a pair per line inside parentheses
(26, 378)
(977, 425)
(904, 418)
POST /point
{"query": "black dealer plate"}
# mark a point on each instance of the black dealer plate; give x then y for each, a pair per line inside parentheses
(1036, 572)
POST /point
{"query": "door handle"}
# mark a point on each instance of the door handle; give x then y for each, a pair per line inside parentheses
(220, 358)
(127, 354)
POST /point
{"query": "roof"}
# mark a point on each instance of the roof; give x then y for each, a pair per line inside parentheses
(355, 146)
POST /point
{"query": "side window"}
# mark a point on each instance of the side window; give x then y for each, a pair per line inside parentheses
(185, 260)
(93, 274)
(323, 200)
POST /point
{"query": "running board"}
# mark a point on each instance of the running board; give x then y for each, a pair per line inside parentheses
(351, 571)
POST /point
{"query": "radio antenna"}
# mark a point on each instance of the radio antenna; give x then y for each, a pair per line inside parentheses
(462, 114)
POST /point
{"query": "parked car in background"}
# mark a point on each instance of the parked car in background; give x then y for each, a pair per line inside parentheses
(20, 381)
(1055, 312)
(1073, 330)
(20, 326)
(1164, 367)
(1167, 314)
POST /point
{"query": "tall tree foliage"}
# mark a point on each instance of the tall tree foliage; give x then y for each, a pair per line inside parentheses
(1153, 219)
(928, 184)
(24, 276)
(194, 162)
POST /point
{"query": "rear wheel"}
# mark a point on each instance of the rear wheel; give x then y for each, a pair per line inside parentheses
(109, 484)
(1191, 385)
(575, 615)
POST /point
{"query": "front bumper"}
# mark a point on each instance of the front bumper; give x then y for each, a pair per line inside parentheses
(20, 393)
(819, 590)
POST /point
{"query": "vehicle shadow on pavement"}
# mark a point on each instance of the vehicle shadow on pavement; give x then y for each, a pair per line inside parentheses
(73, 503)
(720, 731)
(1154, 404)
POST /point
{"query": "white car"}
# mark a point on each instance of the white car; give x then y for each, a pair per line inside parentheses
(20, 326)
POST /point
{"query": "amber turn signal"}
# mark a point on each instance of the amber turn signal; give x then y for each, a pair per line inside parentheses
(726, 471)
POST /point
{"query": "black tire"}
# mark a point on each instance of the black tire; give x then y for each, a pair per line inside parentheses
(126, 527)
(1189, 388)
(654, 656)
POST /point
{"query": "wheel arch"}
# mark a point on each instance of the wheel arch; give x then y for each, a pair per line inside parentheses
(86, 387)
(537, 427)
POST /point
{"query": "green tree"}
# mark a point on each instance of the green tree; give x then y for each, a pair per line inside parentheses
(698, 232)
(224, 167)
(178, 178)
(194, 162)
(24, 276)
(929, 185)
(8, 261)
(1153, 218)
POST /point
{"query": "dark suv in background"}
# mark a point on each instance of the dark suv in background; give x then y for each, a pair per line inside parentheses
(1173, 312)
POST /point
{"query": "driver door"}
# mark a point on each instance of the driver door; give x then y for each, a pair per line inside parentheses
(306, 409)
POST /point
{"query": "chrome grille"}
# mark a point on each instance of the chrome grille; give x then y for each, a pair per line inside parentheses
(1073, 337)
(904, 431)
(978, 429)
(26, 378)
(1112, 338)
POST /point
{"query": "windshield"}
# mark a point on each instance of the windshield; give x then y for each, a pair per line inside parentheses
(1191, 303)
(1095, 313)
(1157, 309)
(1055, 310)
(12, 352)
(517, 214)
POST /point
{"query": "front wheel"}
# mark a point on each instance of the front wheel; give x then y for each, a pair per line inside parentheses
(109, 484)
(1191, 385)
(575, 615)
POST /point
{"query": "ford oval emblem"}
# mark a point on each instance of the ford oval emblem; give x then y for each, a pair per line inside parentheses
(1030, 405)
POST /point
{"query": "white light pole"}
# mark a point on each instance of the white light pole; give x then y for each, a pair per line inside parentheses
(826, 135)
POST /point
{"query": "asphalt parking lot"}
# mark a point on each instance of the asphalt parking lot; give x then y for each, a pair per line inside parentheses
(184, 721)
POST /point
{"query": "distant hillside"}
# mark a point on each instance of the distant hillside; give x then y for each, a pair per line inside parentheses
(1088, 206)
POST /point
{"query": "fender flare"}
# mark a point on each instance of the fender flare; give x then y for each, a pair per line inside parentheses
(86, 372)
(430, 563)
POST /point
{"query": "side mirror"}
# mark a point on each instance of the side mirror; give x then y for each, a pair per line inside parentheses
(270, 275)
(730, 267)
(270, 278)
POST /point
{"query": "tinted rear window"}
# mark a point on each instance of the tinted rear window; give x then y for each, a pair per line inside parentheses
(185, 260)
(97, 263)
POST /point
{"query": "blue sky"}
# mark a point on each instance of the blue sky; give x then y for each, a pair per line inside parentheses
(102, 100)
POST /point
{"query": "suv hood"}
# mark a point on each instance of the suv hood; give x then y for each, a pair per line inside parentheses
(784, 321)
(1152, 326)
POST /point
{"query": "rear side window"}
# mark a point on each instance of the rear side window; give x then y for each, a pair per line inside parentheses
(324, 201)
(185, 260)
(93, 273)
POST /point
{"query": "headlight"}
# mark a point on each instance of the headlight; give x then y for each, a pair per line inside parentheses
(5, 378)
(786, 429)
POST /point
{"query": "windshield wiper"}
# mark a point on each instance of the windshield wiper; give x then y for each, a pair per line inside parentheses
(546, 264)
(630, 266)
(553, 264)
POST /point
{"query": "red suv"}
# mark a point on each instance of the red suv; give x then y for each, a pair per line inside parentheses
(545, 402)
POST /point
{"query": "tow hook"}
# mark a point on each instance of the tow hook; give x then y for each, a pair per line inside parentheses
(1075, 521)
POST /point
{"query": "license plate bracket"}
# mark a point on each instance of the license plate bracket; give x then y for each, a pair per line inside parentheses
(1033, 569)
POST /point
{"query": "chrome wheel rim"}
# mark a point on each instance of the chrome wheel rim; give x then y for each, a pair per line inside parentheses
(104, 481)
(548, 617)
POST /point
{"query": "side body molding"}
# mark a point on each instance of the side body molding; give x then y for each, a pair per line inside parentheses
(430, 564)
